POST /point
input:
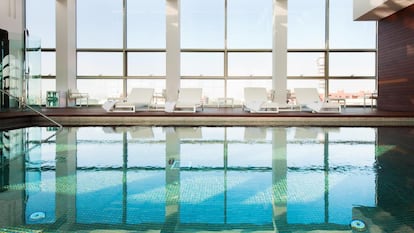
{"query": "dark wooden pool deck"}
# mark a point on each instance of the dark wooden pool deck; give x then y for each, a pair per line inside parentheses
(210, 116)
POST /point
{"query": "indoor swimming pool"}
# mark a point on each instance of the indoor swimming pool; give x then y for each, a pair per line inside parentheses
(207, 179)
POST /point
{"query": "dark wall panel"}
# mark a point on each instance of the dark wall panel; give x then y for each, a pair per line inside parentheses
(396, 61)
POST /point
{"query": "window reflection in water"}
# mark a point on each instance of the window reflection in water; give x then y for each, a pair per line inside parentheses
(205, 177)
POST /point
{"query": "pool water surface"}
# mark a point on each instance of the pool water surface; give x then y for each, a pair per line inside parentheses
(207, 179)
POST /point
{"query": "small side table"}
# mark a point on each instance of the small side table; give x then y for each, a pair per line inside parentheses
(341, 101)
(223, 101)
(370, 96)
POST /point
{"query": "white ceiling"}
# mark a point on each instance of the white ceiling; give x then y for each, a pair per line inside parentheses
(385, 9)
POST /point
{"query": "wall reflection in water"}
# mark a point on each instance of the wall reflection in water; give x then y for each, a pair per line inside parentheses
(207, 178)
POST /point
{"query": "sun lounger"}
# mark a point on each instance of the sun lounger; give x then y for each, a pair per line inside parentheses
(189, 99)
(256, 101)
(309, 98)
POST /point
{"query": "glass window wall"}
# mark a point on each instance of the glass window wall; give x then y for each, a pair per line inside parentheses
(226, 44)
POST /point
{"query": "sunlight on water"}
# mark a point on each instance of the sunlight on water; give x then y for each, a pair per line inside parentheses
(294, 179)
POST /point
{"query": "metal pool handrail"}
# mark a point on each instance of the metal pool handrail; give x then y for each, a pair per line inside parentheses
(23, 104)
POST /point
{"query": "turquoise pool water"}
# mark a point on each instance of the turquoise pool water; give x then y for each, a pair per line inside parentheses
(205, 179)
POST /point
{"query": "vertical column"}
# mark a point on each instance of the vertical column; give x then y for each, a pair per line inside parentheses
(173, 49)
(66, 178)
(279, 54)
(65, 45)
(279, 169)
(172, 178)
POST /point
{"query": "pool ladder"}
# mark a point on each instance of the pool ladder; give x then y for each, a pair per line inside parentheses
(22, 104)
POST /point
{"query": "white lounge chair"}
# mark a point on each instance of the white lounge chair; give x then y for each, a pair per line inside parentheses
(256, 100)
(75, 94)
(309, 98)
(139, 99)
(189, 99)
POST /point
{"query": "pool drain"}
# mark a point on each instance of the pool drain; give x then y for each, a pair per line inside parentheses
(358, 225)
(37, 216)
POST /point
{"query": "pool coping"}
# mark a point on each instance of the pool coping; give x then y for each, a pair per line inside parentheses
(210, 117)
(229, 121)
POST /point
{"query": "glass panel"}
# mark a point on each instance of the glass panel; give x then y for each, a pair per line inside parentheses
(99, 64)
(41, 21)
(100, 90)
(250, 24)
(353, 90)
(199, 64)
(48, 63)
(157, 84)
(352, 64)
(99, 23)
(235, 88)
(212, 88)
(306, 19)
(299, 83)
(33, 69)
(146, 23)
(47, 85)
(306, 64)
(347, 33)
(146, 64)
(250, 64)
(202, 24)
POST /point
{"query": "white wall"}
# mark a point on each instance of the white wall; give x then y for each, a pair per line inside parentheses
(11, 17)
